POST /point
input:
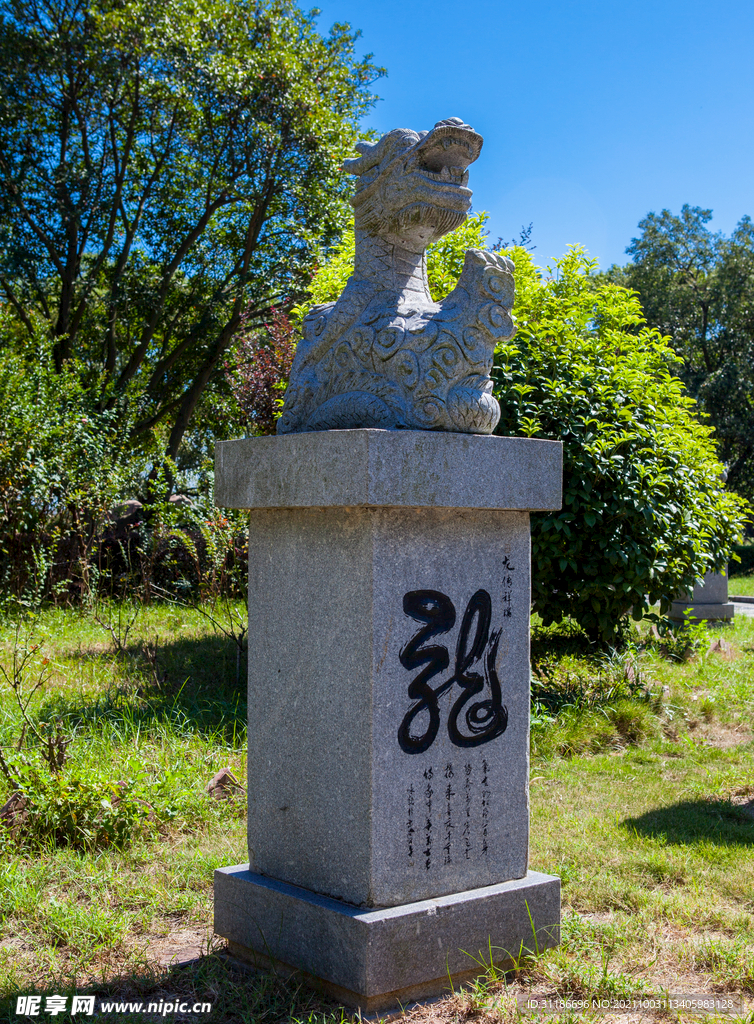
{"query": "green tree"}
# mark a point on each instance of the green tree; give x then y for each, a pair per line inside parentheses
(167, 172)
(644, 515)
(697, 287)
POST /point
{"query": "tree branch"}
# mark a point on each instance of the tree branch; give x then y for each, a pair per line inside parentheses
(17, 306)
(139, 353)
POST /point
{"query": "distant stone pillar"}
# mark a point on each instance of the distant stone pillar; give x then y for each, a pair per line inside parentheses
(389, 602)
(708, 602)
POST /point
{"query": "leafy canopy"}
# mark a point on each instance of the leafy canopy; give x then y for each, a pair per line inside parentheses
(167, 172)
(697, 287)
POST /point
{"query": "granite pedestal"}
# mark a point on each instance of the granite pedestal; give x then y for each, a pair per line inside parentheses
(708, 602)
(389, 595)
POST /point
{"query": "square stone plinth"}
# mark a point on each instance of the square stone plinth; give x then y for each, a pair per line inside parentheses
(388, 753)
(378, 959)
(389, 601)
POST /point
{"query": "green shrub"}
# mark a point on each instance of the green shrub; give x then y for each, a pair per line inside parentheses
(644, 515)
(69, 810)
(64, 464)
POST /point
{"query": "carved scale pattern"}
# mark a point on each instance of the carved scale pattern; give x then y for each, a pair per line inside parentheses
(385, 355)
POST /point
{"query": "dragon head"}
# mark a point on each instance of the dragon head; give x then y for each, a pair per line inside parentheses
(412, 186)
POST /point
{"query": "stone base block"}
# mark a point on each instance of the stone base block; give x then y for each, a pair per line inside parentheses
(698, 612)
(377, 959)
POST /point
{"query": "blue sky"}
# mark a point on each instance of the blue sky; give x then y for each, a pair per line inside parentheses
(593, 113)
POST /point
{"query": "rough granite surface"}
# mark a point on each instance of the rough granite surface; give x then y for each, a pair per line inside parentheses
(405, 468)
(385, 354)
(341, 801)
(389, 597)
(389, 656)
(375, 959)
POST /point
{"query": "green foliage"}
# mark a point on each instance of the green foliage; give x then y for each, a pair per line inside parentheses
(64, 463)
(139, 750)
(697, 287)
(184, 549)
(332, 275)
(66, 467)
(167, 173)
(583, 699)
(644, 515)
(682, 641)
(83, 812)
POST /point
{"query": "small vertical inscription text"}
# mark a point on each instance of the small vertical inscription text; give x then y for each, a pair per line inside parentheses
(485, 805)
(428, 791)
(466, 832)
(456, 811)
(449, 826)
(507, 582)
(410, 825)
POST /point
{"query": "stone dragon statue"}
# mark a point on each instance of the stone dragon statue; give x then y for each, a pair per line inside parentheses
(385, 355)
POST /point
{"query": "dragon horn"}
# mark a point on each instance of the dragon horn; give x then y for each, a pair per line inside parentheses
(368, 159)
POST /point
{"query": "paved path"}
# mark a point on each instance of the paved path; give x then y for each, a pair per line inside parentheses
(742, 607)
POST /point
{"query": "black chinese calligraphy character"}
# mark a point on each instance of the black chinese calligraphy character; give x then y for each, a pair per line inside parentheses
(437, 611)
(484, 720)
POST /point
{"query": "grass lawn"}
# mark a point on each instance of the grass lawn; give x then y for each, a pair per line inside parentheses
(640, 802)
(741, 585)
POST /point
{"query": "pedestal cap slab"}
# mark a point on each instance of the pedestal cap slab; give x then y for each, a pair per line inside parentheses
(404, 468)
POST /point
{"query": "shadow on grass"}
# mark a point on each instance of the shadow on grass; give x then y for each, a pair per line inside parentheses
(195, 691)
(697, 821)
(235, 995)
